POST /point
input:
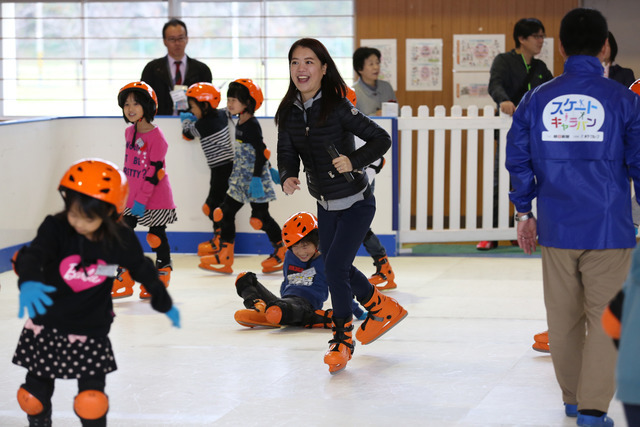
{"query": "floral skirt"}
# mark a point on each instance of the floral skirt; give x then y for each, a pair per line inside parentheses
(49, 354)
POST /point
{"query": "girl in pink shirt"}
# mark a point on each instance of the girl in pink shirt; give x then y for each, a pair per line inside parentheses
(150, 201)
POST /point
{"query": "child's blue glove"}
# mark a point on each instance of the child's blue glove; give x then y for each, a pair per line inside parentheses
(186, 118)
(255, 189)
(275, 176)
(33, 297)
(174, 315)
(357, 311)
(137, 209)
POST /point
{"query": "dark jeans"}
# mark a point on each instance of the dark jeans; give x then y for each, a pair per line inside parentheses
(632, 413)
(341, 234)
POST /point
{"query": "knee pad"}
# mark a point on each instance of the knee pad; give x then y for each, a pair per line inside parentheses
(217, 214)
(91, 404)
(29, 403)
(206, 210)
(153, 240)
(256, 223)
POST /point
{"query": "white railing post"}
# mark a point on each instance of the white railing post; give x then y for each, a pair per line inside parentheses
(405, 181)
(438, 170)
(471, 205)
(503, 178)
(455, 172)
(422, 173)
(488, 158)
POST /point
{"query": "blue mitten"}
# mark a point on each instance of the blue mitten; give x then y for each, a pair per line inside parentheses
(255, 189)
(174, 315)
(137, 209)
(186, 118)
(33, 297)
(275, 176)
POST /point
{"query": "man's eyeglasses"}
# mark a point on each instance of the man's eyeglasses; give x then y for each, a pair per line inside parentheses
(537, 36)
(180, 39)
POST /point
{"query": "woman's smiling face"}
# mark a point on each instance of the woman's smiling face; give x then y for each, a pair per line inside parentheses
(306, 72)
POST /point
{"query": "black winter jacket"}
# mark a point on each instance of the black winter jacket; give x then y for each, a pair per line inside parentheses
(308, 141)
(508, 76)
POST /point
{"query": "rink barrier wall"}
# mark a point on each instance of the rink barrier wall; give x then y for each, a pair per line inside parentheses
(437, 185)
(35, 153)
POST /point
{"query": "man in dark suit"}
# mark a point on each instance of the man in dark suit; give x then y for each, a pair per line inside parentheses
(175, 69)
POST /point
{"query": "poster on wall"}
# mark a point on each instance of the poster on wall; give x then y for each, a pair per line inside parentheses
(546, 54)
(424, 64)
(471, 88)
(475, 52)
(388, 59)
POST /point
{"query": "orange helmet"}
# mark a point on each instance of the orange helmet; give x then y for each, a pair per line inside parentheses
(141, 87)
(99, 179)
(254, 91)
(635, 86)
(297, 227)
(204, 92)
(351, 96)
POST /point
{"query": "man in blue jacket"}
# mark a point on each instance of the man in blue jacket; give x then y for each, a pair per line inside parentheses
(573, 145)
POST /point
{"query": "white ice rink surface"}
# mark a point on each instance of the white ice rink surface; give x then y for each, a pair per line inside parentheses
(462, 357)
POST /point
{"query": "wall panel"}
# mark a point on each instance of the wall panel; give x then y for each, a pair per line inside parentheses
(403, 19)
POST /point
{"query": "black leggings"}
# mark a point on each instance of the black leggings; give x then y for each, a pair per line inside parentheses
(230, 208)
(42, 388)
(296, 311)
(163, 252)
(218, 186)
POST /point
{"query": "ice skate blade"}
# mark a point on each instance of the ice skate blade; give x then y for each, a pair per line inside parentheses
(386, 328)
(334, 369)
(120, 295)
(540, 347)
(387, 286)
(224, 269)
(258, 325)
(267, 270)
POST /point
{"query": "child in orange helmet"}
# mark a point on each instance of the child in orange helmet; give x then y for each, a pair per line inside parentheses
(250, 182)
(205, 121)
(304, 288)
(65, 279)
(150, 201)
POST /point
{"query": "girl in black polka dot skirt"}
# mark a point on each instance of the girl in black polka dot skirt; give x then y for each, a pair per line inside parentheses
(65, 279)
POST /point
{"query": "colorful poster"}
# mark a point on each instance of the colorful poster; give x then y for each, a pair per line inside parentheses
(471, 88)
(475, 52)
(546, 54)
(424, 64)
(388, 59)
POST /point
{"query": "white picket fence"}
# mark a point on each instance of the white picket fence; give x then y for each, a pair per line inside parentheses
(423, 215)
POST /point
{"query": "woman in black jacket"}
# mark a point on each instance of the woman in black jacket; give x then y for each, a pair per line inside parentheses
(316, 124)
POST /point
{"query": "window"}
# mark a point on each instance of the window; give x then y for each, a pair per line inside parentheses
(71, 58)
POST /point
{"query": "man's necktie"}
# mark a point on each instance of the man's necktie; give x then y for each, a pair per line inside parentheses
(178, 74)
